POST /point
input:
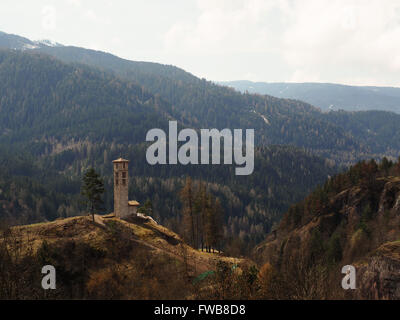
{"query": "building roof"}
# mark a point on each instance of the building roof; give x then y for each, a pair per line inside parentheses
(121, 160)
(133, 203)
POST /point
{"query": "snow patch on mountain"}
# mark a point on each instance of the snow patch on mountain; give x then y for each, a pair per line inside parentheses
(48, 43)
(28, 46)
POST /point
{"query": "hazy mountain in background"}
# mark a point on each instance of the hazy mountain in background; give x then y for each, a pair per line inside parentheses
(199, 103)
(15, 42)
(327, 96)
(12, 41)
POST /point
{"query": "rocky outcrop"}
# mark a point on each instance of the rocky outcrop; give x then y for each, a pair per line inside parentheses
(379, 277)
(358, 226)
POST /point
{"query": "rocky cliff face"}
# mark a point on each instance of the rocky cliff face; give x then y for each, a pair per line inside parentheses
(379, 277)
(355, 222)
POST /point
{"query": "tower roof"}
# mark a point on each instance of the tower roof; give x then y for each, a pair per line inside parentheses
(133, 203)
(120, 160)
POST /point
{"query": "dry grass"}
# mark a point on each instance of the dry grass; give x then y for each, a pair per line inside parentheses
(156, 238)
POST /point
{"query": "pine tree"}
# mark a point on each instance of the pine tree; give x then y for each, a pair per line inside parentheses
(186, 196)
(147, 208)
(385, 165)
(92, 190)
(398, 166)
(213, 225)
(208, 223)
(201, 205)
(217, 223)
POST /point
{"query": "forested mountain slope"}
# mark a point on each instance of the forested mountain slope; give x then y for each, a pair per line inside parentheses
(354, 220)
(202, 103)
(66, 118)
(379, 130)
(33, 192)
(42, 98)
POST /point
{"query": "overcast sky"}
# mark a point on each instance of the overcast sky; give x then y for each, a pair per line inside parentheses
(341, 41)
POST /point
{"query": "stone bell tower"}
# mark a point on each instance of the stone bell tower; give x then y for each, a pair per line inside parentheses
(121, 182)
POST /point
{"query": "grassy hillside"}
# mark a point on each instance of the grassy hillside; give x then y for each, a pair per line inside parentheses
(108, 259)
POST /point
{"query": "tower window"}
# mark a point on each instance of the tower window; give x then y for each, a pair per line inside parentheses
(123, 175)
(124, 182)
(116, 182)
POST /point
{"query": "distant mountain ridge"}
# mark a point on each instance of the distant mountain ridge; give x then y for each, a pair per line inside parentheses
(327, 96)
(199, 103)
(20, 43)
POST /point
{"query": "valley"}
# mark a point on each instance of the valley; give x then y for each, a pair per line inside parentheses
(315, 198)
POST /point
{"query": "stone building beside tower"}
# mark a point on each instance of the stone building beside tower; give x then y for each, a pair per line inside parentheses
(122, 206)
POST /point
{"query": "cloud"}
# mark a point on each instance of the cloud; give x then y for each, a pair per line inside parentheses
(49, 18)
(75, 3)
(336, 40)
(93, 17)
(345, 41)
(325, 37)
(224, 27)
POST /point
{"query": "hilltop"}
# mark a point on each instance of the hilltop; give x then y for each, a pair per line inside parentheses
(135, 259)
